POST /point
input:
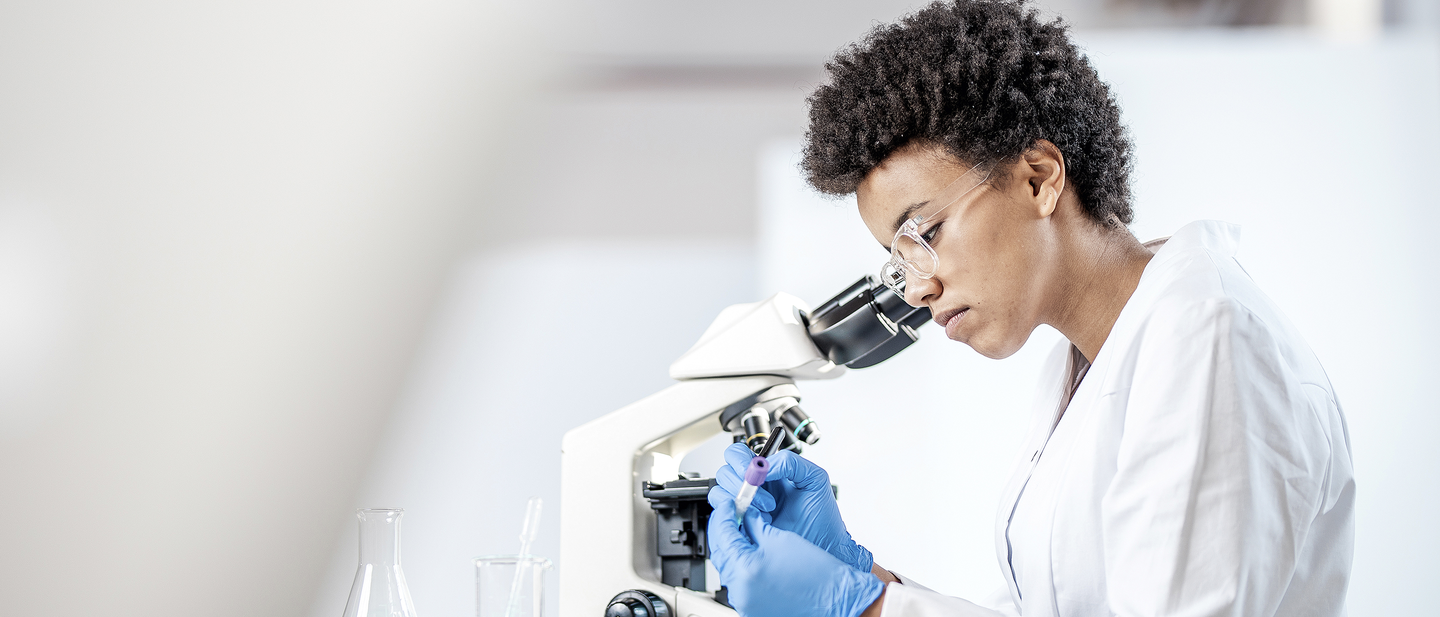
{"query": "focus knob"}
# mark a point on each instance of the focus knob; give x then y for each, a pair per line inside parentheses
(637, 603)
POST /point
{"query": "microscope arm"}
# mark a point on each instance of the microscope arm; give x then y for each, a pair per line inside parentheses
(607, 536)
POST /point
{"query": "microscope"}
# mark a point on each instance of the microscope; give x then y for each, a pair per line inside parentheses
(632, 528)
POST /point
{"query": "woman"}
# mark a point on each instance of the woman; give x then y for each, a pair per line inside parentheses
(1190, 458)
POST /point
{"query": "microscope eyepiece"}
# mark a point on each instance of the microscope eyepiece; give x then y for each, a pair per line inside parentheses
(864, 325)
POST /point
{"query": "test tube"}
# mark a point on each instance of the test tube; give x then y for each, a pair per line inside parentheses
(754, 477)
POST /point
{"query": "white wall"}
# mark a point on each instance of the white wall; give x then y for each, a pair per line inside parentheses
(222, 227)
(1323, 153)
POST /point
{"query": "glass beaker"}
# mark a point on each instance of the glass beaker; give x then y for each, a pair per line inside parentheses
(497, 577)
(379, 589)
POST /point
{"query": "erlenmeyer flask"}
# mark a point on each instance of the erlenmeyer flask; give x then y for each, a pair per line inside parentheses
(379, 589)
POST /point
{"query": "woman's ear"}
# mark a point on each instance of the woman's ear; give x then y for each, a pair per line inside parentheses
(1052, 199)
(1044, 169)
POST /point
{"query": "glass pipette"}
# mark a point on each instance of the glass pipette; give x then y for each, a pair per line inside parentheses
(527, 536)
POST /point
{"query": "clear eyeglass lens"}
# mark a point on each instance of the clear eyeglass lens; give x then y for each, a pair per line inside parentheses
(893, 275)
(918, 257)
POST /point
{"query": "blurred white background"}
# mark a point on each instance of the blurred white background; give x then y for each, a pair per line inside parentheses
(263, 264)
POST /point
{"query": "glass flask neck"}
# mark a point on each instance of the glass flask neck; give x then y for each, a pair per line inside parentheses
(380, 536)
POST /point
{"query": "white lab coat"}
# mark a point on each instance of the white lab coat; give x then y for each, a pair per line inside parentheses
(1202, 468)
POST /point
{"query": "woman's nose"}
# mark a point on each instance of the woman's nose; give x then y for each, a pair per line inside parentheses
(918, 290)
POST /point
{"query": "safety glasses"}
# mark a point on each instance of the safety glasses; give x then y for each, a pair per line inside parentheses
(911, 253)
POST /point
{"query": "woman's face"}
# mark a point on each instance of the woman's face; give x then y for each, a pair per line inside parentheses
(993, 246)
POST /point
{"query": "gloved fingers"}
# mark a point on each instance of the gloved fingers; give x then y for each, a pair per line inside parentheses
(737, 456)
(806, 475)
(763, 500)
(727, 543)
(755, 521)
(726, 478)
(720, 500)
(764, 533)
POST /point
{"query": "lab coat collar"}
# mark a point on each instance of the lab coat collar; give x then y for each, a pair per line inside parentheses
(1214, 236)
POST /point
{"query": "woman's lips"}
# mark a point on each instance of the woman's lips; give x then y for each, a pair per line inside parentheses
(950, 320)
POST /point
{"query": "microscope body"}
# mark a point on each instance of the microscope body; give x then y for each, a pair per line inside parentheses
(620, 479)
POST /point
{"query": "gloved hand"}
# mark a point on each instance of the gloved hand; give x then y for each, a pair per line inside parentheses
(798, 498)
(770, 572)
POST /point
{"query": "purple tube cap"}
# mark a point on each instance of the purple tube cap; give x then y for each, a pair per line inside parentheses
(755, 473)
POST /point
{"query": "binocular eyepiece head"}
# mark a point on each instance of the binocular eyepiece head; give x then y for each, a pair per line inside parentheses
(864, 325)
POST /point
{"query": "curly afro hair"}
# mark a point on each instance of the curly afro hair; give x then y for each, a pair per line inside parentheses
(983, 79)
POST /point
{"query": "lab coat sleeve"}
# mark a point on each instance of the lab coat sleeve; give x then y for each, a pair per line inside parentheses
(1218, 470)
(911, 599)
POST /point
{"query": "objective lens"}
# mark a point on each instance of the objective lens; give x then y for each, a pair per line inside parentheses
(756, 425)
(800, 425)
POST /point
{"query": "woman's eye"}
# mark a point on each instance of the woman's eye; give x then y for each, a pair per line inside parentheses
(929, 234)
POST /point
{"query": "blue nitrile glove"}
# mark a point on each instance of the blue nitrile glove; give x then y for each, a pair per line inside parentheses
(770, 572)
(798, 497)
